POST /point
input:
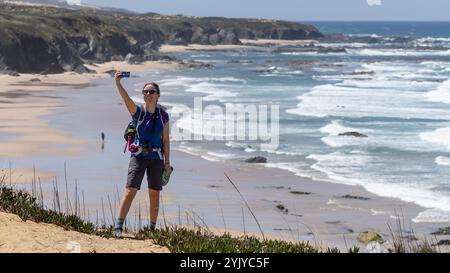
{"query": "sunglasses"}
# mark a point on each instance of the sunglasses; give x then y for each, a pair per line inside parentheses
(151, 91)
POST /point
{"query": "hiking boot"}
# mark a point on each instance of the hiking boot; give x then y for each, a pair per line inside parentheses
(118, 233)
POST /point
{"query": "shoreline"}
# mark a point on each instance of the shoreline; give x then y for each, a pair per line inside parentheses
(327, 213)
(246, 44)
(323, 209)
(23, 100)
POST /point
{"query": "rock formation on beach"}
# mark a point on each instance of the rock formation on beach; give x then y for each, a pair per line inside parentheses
(54, 38)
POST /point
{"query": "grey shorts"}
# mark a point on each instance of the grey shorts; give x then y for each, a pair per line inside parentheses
(136, 171)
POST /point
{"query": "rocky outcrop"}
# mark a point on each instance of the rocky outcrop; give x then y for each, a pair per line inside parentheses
(257, 159)
(348, 196)
(442, 231)
(354, 134)
(44, 39)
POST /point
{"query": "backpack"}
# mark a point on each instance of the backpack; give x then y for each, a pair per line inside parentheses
(132, 126)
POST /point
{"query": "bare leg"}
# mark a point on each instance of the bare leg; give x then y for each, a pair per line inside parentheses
(154, 204)
(126, 201)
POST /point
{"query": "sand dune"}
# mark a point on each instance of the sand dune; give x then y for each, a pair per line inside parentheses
(19, 236)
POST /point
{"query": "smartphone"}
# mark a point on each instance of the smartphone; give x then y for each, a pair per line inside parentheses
(125, 75)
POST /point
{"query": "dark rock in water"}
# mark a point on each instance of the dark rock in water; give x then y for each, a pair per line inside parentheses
(331, 50)
(239, 62)
(268, 70)
(355, 134)
(430, 80)
(363, 73)
(374, 40)
(348, 196)
(296, 215)
(282, 49)
(257, 159)
(442, 231)
(282, 208)
(300, 192)
(195, 64)
(278, 187)
(402, 40)
(35, 80)
(443, 243)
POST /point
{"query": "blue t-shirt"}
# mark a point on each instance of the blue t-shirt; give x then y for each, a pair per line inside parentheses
(146, 132)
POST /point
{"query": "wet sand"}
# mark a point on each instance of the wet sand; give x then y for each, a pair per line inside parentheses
(25, 98)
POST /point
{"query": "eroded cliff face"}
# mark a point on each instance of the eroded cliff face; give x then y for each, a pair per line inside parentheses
(45, 39)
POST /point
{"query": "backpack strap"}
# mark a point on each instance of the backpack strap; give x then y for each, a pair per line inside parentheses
(162, 116)
(140, 119)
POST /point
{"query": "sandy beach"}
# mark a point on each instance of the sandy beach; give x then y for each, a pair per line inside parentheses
(22, 102)
(287, 206)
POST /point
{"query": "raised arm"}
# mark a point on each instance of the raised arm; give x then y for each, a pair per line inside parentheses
(131, 106)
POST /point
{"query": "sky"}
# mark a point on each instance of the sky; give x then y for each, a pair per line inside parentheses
(293, 10)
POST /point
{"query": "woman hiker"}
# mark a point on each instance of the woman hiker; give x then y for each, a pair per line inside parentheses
(150, 153)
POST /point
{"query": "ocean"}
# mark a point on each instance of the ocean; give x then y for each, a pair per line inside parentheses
(389, 81)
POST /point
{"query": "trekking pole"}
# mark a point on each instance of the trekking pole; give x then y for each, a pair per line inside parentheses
(125, 149)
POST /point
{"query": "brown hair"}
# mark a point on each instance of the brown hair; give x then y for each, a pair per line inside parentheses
(153, 84)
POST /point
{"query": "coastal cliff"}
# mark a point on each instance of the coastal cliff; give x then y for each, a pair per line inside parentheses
(51, 39)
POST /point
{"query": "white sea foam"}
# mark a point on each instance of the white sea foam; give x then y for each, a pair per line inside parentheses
(341, 101)
(214, 91)
(347, 169)
(180, 80)
(441, 94)
(250, 149)
(432, 216)
(336, 127)
(288, 166)
(442, 160)
(313, 53)
(346, 45)
(439, 136)
(222, 155)
(213, 157)
(398, 52)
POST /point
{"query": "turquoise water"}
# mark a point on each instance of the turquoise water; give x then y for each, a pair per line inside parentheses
(396, 93)
(417, 29)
